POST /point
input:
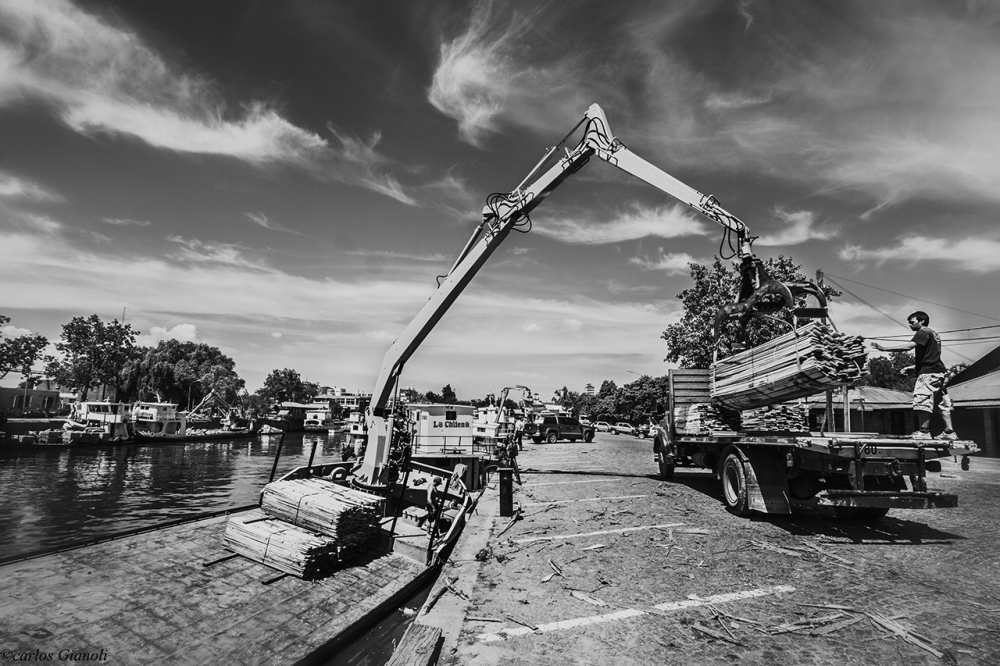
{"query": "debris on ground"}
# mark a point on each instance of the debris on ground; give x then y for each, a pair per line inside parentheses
(589, 599)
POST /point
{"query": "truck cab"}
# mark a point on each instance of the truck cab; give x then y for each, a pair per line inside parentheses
(551, 428)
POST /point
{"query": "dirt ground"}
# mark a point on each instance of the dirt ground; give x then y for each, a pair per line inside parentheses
(611, 565)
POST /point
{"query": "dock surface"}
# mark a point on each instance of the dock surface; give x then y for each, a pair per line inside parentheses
(149, 599)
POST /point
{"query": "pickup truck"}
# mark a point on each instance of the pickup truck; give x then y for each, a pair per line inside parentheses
(552, 428)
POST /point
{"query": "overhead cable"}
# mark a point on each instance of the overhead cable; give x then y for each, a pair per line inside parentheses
(940, 305)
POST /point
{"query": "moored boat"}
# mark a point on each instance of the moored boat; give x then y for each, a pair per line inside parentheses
(319, 418)
(158, 420)
(109, 420)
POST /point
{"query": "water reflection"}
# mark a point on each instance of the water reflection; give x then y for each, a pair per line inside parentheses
(52, 497)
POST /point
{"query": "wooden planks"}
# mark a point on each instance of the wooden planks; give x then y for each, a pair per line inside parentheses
(799, 363)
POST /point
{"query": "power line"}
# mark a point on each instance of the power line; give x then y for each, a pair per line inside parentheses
(889, 317)
(975, 314)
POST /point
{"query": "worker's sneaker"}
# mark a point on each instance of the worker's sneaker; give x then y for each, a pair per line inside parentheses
(947, 434)
(920, 434)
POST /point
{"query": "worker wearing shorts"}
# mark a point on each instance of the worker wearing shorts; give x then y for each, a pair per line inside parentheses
(929, 392)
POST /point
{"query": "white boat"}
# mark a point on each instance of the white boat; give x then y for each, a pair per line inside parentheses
(491, 426)
(158, 420)
(110, 418)
(319, 418)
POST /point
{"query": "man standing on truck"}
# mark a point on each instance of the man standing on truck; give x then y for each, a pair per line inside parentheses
(929, 393)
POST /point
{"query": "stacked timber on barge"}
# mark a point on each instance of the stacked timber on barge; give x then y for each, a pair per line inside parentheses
(306, 527)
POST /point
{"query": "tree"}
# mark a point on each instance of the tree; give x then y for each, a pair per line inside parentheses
(182, 372)
(93, 353)
(287, 386)
(642, 398)
(690, 342)
(886, 372)
(448, 395)
(19, 353)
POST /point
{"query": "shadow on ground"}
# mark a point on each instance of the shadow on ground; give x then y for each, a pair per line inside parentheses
(809, 519)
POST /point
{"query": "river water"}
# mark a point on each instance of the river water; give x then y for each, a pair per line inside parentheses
(63, 495)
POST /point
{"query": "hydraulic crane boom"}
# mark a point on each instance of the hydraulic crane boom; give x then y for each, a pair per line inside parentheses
(500, 215)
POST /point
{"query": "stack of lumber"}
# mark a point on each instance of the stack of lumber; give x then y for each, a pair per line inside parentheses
(784, 417)
(284, 547)
(800, 363)
(703, 418)
(349, 516)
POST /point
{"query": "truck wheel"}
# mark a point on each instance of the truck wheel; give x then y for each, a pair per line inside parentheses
(588, 437)
(734, 486)
(552, 438)
(666, 471)
(860, 512)
(536, 440)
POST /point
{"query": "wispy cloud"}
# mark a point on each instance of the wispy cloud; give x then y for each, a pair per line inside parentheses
(797, 227)
(100, 78)
(261, 219)
(636, 222)
(670, 263)
(198, 251)
(13, 187)
(976, 255)
(482, 76)
(125, 222)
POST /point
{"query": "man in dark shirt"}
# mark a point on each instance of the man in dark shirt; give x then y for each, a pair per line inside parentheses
(929, 393)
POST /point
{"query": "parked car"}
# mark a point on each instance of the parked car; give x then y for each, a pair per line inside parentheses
(622, 428)
(552, 428)
(602, 426)
(643, 431)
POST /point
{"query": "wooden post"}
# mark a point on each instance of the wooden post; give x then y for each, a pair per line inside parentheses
(277, 454)
(847, 410)
(830, 422)
(506, 491)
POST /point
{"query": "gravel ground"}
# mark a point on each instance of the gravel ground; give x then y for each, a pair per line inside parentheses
(611, 565)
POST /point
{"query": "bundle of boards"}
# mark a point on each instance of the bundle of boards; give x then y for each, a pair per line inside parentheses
(800, 363)
(305, 527)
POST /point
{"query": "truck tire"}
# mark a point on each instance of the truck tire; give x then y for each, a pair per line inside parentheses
(552, 438)
(588, 437)
(536, 440)
(734, 485)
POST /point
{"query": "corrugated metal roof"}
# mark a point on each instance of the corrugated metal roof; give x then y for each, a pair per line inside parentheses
(985, 389)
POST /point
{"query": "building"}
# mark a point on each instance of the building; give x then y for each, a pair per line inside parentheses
(348, 402)
(872, 409)
(29, 402)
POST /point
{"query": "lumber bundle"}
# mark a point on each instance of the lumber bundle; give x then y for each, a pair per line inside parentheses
(800, 363)
(280, 545)
(348, 516)
(703, 418)
(784, 417)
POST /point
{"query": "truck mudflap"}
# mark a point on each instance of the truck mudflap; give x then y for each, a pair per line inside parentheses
(887, 499)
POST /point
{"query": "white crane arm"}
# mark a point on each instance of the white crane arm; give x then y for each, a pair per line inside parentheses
(500, 215)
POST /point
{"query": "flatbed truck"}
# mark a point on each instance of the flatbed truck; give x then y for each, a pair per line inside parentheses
(860, 475)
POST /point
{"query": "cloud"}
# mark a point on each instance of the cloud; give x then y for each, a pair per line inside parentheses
(275, 334)
(796, 228)
(12, 187)
(531, 328)
(99, 78)
(975, 255)
(637, 222)
(11, 331)
(482, 76)
(157, 334)
(124, 222)
(672, 263)
(573, 324)
(379, 335)
(198, 251)
(261, 219)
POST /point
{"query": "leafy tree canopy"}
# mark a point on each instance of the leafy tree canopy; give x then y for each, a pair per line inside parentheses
(887, 372)
(19, 353)
(287, 386)
(689, 341)
(183, 372)
(93, 353)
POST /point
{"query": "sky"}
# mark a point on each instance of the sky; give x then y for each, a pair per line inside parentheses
(285, 180)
